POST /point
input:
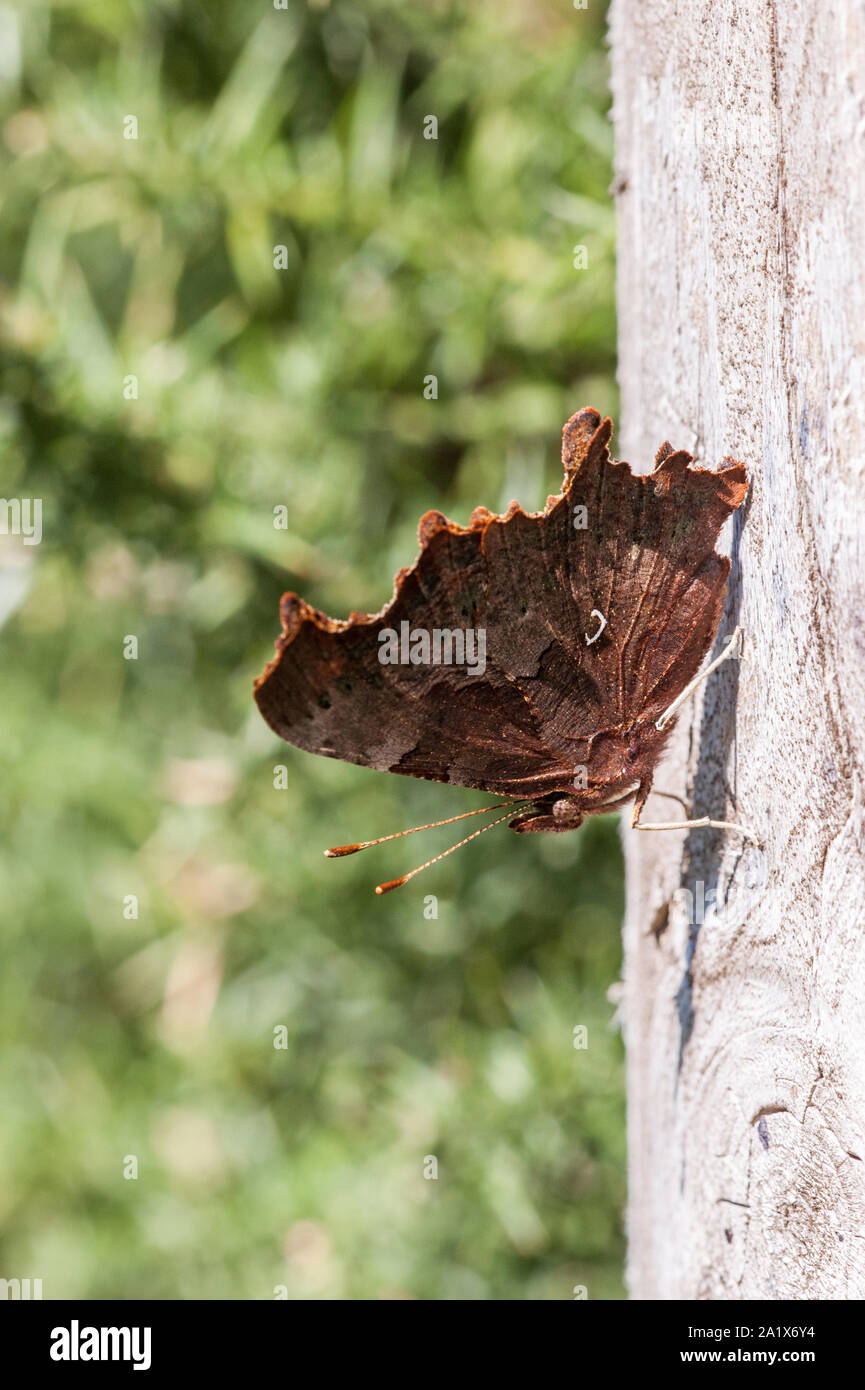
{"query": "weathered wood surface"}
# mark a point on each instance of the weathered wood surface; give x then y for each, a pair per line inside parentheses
(741, 192)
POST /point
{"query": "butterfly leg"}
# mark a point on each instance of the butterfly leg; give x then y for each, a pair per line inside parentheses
(732, 645)
(703, 822)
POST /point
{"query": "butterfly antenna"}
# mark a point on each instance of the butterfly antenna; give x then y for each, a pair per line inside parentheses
(398, 882)
(339, 850)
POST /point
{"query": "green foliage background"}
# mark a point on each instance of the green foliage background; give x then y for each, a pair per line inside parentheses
(406, 1036)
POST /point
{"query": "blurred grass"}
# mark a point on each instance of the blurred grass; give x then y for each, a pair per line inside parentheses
(405, 1036)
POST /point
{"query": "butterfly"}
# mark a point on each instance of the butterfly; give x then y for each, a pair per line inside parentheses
(536, 656)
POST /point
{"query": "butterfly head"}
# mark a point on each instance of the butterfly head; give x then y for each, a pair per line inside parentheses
(552, 814)
(555, 814)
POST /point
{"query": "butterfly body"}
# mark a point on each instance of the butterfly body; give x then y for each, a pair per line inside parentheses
(559, 714)
(622, 770)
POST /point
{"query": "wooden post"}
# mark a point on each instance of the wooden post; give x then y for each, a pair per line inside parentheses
(740, 182)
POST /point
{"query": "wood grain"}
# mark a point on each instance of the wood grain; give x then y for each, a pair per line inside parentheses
(741, 162)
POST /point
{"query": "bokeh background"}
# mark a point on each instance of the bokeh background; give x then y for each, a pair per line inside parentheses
(152, 1036)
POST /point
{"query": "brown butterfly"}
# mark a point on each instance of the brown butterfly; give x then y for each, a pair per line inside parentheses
(539, 657)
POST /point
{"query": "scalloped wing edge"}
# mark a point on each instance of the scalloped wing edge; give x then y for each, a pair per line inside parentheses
(586, 434)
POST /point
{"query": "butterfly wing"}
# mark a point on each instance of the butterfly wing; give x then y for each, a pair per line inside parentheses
(327, 691)
(643, 556)
(643, 559)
